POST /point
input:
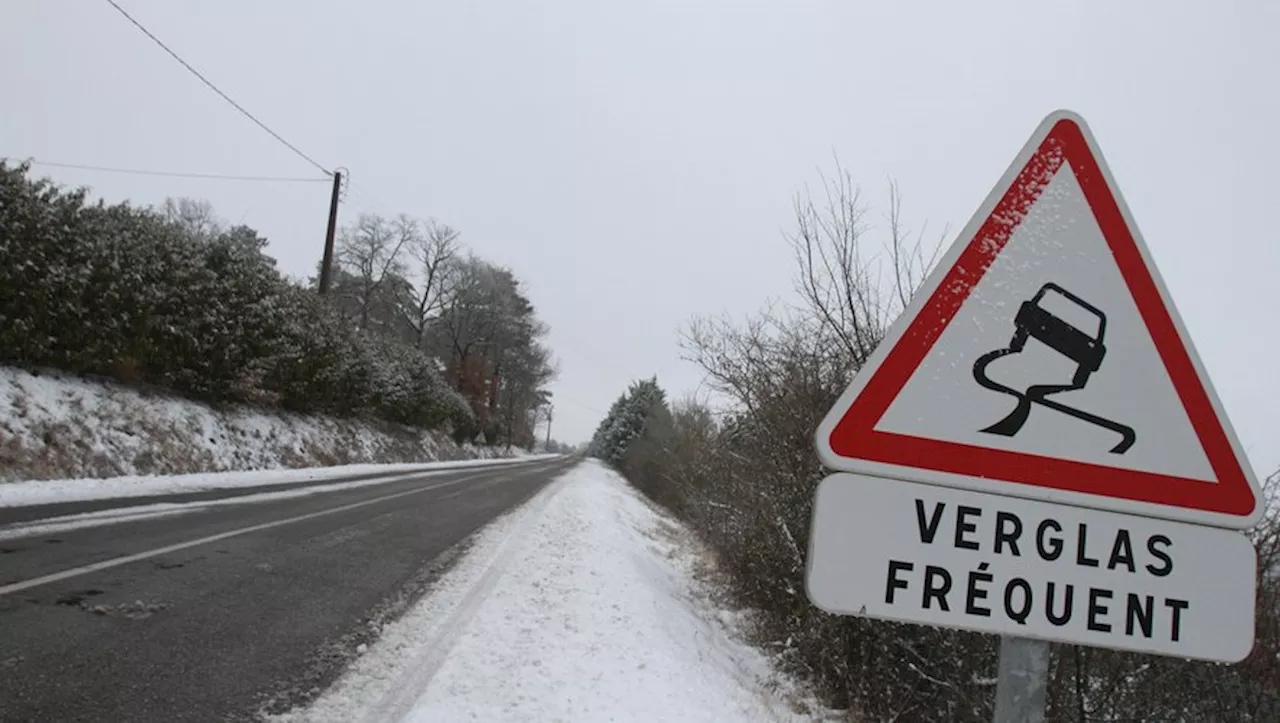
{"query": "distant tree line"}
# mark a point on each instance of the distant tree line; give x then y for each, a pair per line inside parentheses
(557, 447)
(411, 282)
(742, 473)
(415, 331)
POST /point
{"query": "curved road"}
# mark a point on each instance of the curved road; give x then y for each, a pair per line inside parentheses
(231, 609)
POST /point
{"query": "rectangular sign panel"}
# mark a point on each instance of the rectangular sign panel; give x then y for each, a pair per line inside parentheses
(1010, 566)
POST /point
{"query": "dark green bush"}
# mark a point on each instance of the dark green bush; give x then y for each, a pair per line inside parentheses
(122, 292)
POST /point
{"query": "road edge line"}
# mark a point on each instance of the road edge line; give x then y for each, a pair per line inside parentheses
(137, 556)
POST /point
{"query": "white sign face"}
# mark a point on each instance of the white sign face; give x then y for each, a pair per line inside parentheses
(1044, 359)
(1008, 566)
(1130, 393)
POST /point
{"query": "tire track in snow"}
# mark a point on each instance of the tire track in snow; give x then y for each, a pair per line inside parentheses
(413, 681)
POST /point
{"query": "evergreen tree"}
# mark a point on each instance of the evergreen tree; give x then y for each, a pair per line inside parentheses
(637, 427)
(175, 299)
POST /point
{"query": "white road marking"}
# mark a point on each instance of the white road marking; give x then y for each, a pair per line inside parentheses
(126, 559)
(135, 513)
(57, 525)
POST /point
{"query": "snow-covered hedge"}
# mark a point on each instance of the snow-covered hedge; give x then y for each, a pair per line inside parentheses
(122, 292)
(58, 426)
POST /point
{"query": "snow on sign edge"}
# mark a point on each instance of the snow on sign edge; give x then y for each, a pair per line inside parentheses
(835, 461)
(1059, 241)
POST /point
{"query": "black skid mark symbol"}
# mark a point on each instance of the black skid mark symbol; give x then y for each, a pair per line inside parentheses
(1033, 321)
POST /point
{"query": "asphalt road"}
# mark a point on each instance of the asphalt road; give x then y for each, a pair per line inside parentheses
(230, 610)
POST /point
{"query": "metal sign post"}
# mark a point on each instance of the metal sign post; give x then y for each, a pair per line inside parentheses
(1022, 680)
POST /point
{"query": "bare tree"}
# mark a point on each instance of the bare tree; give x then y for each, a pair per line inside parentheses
(435, 252)
(841, 280)
(370, 252)
(744, 475)
(910, 266)
(194, 216)
(489, 336)
(746, 482)
(463, 321)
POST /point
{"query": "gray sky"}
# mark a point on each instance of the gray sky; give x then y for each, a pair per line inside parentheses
(634, 162)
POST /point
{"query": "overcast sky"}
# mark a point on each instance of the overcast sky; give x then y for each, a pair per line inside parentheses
(634, 163)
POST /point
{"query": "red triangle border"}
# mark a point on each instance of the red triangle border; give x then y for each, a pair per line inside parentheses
(855, 436)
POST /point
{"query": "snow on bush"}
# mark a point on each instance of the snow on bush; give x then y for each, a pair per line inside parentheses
(127, 293)
(57, 426)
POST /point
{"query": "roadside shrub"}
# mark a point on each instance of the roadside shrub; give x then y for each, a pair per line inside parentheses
(128, 293)
(742, 475)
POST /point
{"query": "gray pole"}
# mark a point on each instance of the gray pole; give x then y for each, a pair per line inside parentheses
(326, 266)
(1023, 680)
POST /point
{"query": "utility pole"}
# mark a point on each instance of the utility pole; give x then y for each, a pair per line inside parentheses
(326, 266)
(550, 408)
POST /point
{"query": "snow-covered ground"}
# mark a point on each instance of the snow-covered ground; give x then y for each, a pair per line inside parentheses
(55, 426)
(40, 492)
(582, 605)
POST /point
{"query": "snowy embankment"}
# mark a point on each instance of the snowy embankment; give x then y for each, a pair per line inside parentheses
(584, 604)
(54, 426)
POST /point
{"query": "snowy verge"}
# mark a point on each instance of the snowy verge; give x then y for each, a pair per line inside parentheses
(42, 492)
(581, 605)
(56, 426)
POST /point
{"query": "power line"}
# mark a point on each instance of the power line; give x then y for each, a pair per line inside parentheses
(217, 90)
(369, 201)
(370, 205)
(171, 174)
(576, 403)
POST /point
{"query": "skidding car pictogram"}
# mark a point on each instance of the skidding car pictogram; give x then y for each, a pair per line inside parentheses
(1033, 321)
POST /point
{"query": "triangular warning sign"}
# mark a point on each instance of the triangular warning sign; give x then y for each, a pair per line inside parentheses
(1043, 358)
